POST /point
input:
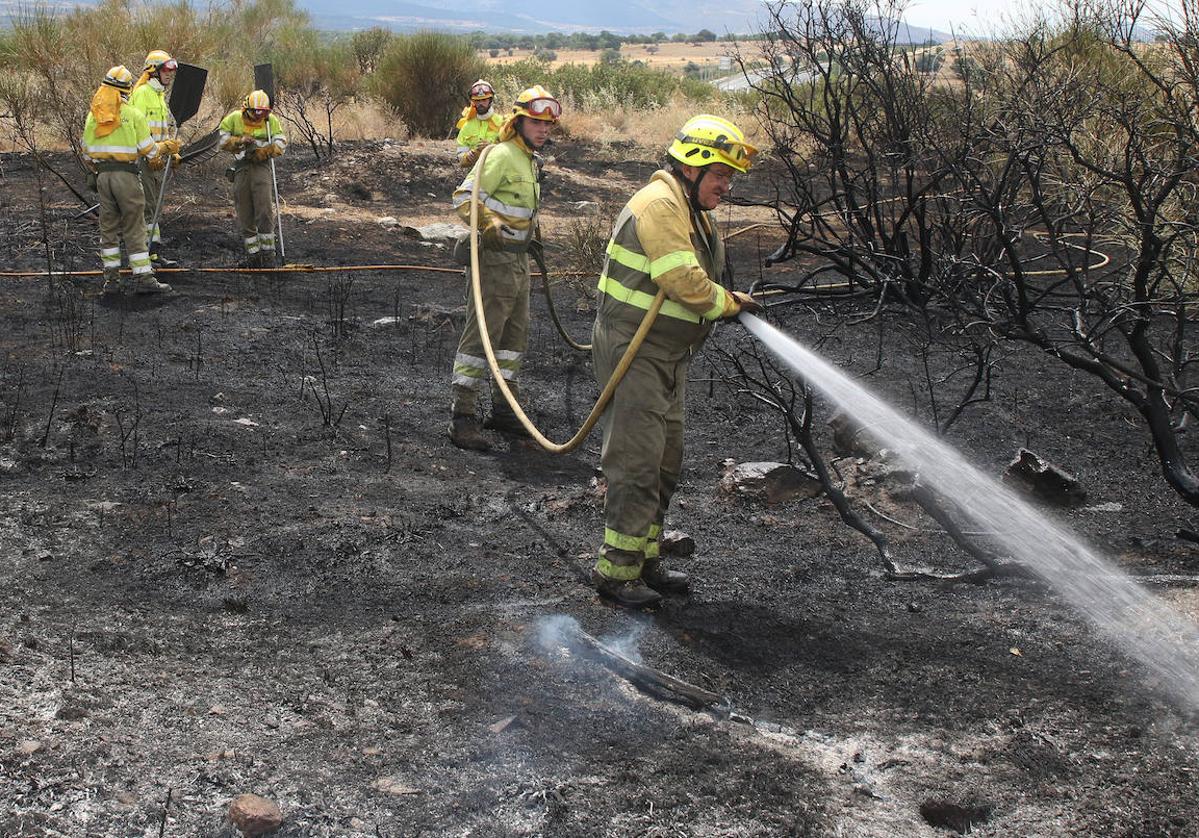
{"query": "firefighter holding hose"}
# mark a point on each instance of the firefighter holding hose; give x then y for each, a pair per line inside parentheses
(509, 195)
(664, 238)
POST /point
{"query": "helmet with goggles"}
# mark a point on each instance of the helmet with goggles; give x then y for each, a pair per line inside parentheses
(481, 90)
(707, 139)
(157, 60)
(537, 103)
(257, 102)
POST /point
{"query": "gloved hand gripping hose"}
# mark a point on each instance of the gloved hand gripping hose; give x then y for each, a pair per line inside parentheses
(626, 360)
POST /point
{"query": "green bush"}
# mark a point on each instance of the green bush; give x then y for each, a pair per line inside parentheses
(424, 77)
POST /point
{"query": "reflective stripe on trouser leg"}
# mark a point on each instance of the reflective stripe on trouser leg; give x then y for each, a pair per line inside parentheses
(653, 546)
(153, 235)
(140, 263)
(643, 444)
(110, 257)
(122, 207)
(266, 242)
(251, 245)
(504, 281)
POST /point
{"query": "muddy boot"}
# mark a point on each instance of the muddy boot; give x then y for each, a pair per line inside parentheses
(662, 580)
(112, 281)
(149, 285)
(466, 433)
(504, 420)
(633, 593)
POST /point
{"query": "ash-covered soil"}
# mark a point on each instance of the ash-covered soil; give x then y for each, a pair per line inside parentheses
(238, 554)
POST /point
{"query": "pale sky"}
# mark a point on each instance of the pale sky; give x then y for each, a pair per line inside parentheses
(980, 16)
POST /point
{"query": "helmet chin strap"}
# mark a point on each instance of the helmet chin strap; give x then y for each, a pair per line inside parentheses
(692, 186)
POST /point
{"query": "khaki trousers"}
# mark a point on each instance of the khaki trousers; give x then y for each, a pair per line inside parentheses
(151, 185)
(122, 208)
(254, 198)
(504, 281)
(642, 454)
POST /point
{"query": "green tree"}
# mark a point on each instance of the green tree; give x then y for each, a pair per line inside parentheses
(422, 76)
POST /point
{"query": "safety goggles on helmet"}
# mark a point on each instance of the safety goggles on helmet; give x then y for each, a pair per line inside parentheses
(540, 108)
(741, 153)
(481, 90)
(170, 65)
(258, 113)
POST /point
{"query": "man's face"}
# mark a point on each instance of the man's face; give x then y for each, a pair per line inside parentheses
(483, 105)
(535, 131)
(166, 76)
(717, 183)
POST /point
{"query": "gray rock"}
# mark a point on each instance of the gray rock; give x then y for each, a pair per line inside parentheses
(771, 482)
(440, 232)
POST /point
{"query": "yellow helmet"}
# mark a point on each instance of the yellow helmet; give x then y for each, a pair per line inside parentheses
(537, 103)
(481, 90)
(119, 77)
(257, 100)
(707, 139)
(157, 59)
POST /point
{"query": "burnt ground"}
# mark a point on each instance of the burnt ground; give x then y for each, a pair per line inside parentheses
(206, 590)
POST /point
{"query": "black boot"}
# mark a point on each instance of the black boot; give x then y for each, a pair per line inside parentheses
(632, 593)
(662, 580)
(465, 432)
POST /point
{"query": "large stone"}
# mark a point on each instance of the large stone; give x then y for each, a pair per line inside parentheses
(676, 543)
(254, 815)
(771, 482)
(1044, 480)
(442, 232)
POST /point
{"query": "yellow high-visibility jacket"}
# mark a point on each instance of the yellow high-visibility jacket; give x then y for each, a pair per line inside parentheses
(655, 244)
(234, 127)
(129, 141)
(151, 100)
(509, 195)
(476, 131)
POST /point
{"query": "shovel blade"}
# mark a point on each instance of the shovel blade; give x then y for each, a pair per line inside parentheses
(186, 92)
(264, 80)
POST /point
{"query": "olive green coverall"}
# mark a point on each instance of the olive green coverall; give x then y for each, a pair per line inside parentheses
(655, 244)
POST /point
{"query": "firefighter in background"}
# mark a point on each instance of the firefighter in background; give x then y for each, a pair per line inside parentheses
(149, 96)
(665, 237)
(115, 138)
(254, 135)
(480, 124)
(509, 195)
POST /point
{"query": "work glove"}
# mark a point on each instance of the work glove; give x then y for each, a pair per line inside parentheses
(745, 303)
(273, 150)
(176, 159)
(492, 238)
(170, 147)
(158, 162)
(471, 157)
(260, 154)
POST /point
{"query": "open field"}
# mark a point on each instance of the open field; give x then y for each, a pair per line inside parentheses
(207, 588)
(669, 56)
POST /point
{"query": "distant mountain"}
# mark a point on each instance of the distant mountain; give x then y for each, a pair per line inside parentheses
(540, 16)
